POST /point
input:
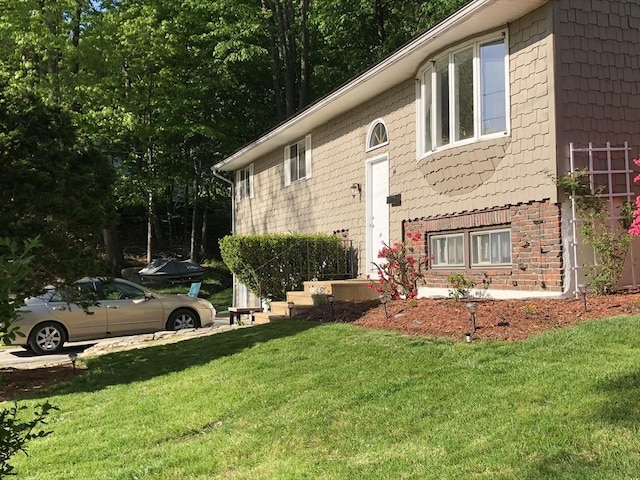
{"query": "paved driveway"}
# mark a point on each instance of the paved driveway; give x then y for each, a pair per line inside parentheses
(17, 357)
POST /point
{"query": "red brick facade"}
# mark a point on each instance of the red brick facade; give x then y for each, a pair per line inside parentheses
(535, 239)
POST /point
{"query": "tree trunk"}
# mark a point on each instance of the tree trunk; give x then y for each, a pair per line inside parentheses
(283, 18)
(305, 68)
(149, 227)
(203, 235)
(194, 221)
(113, 250)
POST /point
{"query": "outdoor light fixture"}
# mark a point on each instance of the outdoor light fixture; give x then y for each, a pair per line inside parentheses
(472, 307)
(383, 301)
(355, 190)
(582, 288)
(73, 356)
(290, 305)
(330, 299)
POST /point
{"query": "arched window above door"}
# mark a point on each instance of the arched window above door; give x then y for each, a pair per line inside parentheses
(378, 135)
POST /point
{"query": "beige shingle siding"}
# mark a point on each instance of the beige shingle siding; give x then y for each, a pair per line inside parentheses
(508, 170)
(481, 175)
(598, 84)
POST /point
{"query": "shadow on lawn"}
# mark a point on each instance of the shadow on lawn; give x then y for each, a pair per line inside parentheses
(622, 395)
(142, 364)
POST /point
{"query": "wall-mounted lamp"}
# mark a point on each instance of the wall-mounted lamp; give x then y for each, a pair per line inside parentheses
(355, 190)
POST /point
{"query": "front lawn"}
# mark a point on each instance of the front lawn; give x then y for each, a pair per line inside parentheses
(298, 400)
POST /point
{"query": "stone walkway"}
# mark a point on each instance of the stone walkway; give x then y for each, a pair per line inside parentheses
(159, 338)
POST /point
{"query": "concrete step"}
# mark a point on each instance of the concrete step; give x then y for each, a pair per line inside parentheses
(279, 311)
(268, 317)
(342, 290)
(306, 298)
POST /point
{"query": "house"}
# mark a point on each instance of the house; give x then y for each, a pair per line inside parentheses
(456, 136)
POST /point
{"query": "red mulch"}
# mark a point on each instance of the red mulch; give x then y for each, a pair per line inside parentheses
(17, 383)
(509, 320)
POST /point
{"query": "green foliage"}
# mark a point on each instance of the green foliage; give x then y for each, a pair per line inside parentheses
(15, 271)
(610, 244)
(52, 187)
(15, 432)
(460, 285)
(271, 265)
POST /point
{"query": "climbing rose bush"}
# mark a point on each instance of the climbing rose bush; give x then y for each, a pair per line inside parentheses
(635, 225)
(400, 268)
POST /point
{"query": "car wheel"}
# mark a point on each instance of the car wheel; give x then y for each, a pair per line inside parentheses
(47, 338)
(181, 319)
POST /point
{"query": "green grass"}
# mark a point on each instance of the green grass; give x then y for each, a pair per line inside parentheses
(297, 400)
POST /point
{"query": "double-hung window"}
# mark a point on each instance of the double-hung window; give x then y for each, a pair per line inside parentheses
(297, 160)
(448, 250)
(491, 248)
(463, 95)
(244, 182)
(485, 247)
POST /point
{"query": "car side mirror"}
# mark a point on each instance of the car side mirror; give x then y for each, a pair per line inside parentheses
(146, 298)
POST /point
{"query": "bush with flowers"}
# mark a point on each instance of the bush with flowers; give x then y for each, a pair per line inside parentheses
(634, 229)
(400, 268)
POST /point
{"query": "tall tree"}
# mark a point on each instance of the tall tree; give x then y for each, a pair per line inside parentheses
(52, 187)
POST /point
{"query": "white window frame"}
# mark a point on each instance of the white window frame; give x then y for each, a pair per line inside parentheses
(446, 264)
(370, 137)
(306, 142)
(242, 185)
(473, 244)
(427, 94)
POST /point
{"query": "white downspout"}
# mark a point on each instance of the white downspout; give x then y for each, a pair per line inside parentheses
(233, 216)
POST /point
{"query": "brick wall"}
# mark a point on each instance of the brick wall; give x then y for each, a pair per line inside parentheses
(536, 246)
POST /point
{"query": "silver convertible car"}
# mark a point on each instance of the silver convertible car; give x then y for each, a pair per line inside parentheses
(105, 308)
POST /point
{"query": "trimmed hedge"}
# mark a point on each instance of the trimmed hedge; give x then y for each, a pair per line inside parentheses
(270, 265)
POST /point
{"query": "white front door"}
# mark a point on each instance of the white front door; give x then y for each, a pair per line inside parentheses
(377, 210)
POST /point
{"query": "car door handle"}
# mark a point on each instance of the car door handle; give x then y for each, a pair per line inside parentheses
(61, 307)
(112, 306)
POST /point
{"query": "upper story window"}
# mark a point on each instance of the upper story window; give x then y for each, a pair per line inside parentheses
(244, 182)
(463, 95)
(297, 160)
(378, 135)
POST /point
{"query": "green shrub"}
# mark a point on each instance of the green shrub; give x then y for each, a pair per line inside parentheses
(461, 285)
(270, 265)
(15, 432)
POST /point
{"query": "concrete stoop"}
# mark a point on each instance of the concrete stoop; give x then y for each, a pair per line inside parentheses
(315, 293)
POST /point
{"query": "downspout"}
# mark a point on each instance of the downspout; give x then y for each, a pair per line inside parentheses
(233, 217)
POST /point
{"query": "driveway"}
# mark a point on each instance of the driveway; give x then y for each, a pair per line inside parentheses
(18, 357)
